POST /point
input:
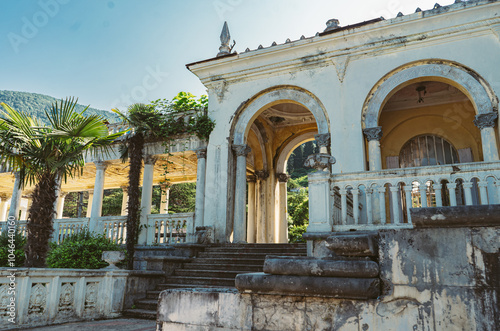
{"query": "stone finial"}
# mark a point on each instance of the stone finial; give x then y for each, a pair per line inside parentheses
(418, 10)
(486, 120)
(332, 24)
(274, 43)
(241, 150)
(317, 34)
(247, 50)
(373, 133)
(283, 178)
(288, 41)
(320, 161)
(201, 153)
(400, 14)
(262, 174)
(260, 47)
(302, 37)
(436, 6)
(225, 37)
(323, 140)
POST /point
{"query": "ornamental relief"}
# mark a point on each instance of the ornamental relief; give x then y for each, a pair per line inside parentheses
(38, 299)
(67, 296)
(91, 295)
(4, 300)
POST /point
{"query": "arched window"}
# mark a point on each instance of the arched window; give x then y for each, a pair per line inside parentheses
(427, 150)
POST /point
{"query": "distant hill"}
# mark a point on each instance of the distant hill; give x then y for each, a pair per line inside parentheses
(35, 104)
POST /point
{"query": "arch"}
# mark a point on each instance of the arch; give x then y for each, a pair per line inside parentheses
(290, 147)
(466, 80)
(278, 94)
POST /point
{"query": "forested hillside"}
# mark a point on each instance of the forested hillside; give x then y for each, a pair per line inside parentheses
(35, 104)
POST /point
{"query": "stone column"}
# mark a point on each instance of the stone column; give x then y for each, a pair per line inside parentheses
(486, 123)
(251, 229)
(239, 227)
(283, 223)
(146, 197)
(199, 210)
(124, 211)
(96, 210)
(373, 135)
(15, 200)
(165, 196)
(60, 205)
(89, 203)
(4, 207)
(261, 204)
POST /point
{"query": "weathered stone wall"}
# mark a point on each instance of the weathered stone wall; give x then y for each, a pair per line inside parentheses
(433, 279)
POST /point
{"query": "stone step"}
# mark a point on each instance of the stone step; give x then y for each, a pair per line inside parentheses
(140, 313)
(243, 256)
(147, 304)
(198, 281)
(224, 261)
(206, 266)
(206, 273)
(180, 286)
(257, 250)
(286, 246)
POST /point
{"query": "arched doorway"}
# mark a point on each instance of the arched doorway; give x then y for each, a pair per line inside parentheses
(264, 134)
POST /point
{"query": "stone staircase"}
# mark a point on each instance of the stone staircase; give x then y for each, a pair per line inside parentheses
(214, 267)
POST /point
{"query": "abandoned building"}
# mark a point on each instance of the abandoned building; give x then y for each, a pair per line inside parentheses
(404, 205)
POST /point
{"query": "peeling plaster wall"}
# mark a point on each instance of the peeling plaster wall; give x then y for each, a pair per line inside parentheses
(434, 279)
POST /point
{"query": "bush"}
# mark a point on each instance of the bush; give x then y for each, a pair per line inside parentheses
(81, 251)
(19, 241)
(295, 233)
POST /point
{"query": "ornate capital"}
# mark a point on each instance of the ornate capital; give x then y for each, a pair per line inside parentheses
(323, 140)
(262, 174)
(63, 194)
(241, 150)
(251, 179)
(201, 153)
(486, 120)
(101, 165)
(124, 188)
(150, 159)
(283, 178)
(165, 186)
(373, 133)
(319, 161)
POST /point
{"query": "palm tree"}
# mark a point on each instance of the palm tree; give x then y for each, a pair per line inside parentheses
(46, 155)
(145, 121)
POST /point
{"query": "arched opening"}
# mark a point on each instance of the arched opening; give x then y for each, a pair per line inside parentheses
(272, 124)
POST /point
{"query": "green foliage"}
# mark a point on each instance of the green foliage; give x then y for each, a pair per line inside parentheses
(19, 242)
(182, 198)
(295, 233)
(112, 202)
(298, 207)
(36, 104)
(81, 251)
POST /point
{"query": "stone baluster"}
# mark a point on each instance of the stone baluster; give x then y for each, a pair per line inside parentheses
(452, 193)
(239, 229)
(486, 123)
(437, 193)
(483, 192)
(408, 190)
(381, 200)
(343, 205)
(468, 193)
(369, 206)
(355, 205)
(373, 135)
(395, 205)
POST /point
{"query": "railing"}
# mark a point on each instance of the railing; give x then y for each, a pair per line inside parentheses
(114, 228)
(169, 228)
(66, 227)
(384, 197)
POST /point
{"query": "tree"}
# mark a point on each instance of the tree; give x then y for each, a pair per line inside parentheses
(144, 120)
(46, 155)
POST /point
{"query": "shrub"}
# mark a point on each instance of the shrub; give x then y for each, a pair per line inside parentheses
(81, 251)
(295, 233)
(19, 241)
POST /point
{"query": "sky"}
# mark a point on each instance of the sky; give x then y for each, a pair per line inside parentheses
(112, 53)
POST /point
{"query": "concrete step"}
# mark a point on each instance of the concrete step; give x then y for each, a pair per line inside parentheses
(147, 304)
(224, 261)
(216, 266)
(240, 255)
(257, 250)
(198, 281)
(209, 273)
(140, 313)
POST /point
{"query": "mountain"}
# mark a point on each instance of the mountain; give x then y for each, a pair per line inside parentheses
(35, 104)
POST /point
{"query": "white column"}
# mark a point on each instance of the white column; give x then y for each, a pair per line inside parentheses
(395, 205)
(251, 230)
(369, 207)
(486, 123)
(422, 188)
(146, 197)
(408, 190)
(60, 205)
(89, 203)
(453, 195)
(320, 207)
(96, 210)
(343, 205)
(437, 192)
(355, 205)
(165, 196)
(199, 211)
(15, 200)
(239, 225)
(381, 195)
(483, 192)
(4, 207)
(468, 193)
(24, 209)
(282, 234)
(374, 155)
(124, 211)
